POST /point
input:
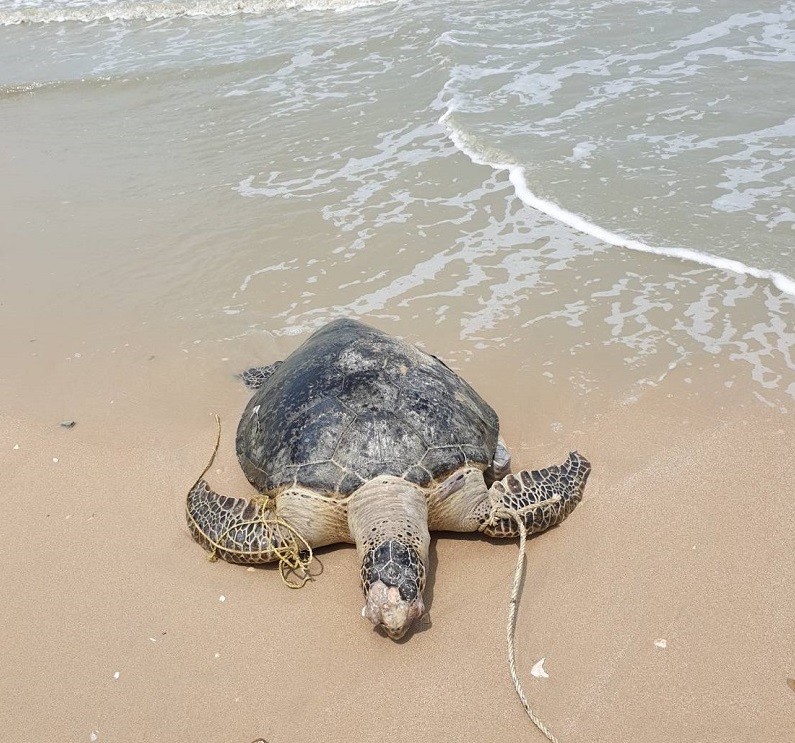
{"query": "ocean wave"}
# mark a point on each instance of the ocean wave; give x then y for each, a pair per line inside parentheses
(135, 10)
(516, 175)
(28, 88)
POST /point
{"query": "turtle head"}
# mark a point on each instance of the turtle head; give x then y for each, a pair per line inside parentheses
(393, 576)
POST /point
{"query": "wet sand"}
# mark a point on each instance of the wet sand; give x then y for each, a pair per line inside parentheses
(117, 626)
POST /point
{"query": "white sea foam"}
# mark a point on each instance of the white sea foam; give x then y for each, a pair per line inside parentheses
(134, 10)
(278, 267)
(516, 174)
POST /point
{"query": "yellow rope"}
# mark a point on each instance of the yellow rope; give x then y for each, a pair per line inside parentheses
(215, 451)
(500, 512)
(291, 558)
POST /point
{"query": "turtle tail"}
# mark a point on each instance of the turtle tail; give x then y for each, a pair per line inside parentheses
(541, 498)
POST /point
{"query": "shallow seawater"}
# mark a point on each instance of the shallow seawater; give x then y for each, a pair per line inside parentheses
(217, 179)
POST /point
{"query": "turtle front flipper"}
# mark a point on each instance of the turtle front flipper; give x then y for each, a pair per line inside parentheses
(240, 530)
(541, 498)
(255, 377)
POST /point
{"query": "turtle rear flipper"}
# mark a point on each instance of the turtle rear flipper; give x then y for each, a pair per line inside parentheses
(255, 377)
(541, 498)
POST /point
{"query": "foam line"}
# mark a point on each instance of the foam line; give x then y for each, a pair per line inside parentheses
(133, 10)
(516, 174)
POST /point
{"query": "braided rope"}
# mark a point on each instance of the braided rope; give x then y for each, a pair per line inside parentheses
(292, 559)
(498, 511)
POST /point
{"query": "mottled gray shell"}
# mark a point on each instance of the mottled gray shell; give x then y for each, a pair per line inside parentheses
(353, 403)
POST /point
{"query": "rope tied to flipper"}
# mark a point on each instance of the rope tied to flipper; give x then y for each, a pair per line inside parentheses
(498, 512)
(291, 550)
(286, 543)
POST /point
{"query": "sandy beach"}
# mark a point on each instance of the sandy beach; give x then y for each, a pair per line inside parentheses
(118, 627)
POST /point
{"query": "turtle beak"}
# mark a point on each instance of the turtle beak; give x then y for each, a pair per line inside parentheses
(386, 609)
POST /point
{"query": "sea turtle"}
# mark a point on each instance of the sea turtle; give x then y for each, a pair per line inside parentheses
(360, 437)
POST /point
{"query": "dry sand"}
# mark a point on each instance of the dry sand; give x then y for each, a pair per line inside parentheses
(117, 628)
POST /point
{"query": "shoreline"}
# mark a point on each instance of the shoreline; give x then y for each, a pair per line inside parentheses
(150, 11)
(516, 175)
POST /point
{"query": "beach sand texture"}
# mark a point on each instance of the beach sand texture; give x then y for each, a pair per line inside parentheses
(117, 625)
(169, 222)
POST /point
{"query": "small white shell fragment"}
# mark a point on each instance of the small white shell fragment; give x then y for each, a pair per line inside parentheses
(251, 570)
(222, 598)
(94, 736)
(364, 608)
(538, 670)
(16, 446)
(218, 655)
(55, 459)
(153, 639)
(116, 675)
(661, 643)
